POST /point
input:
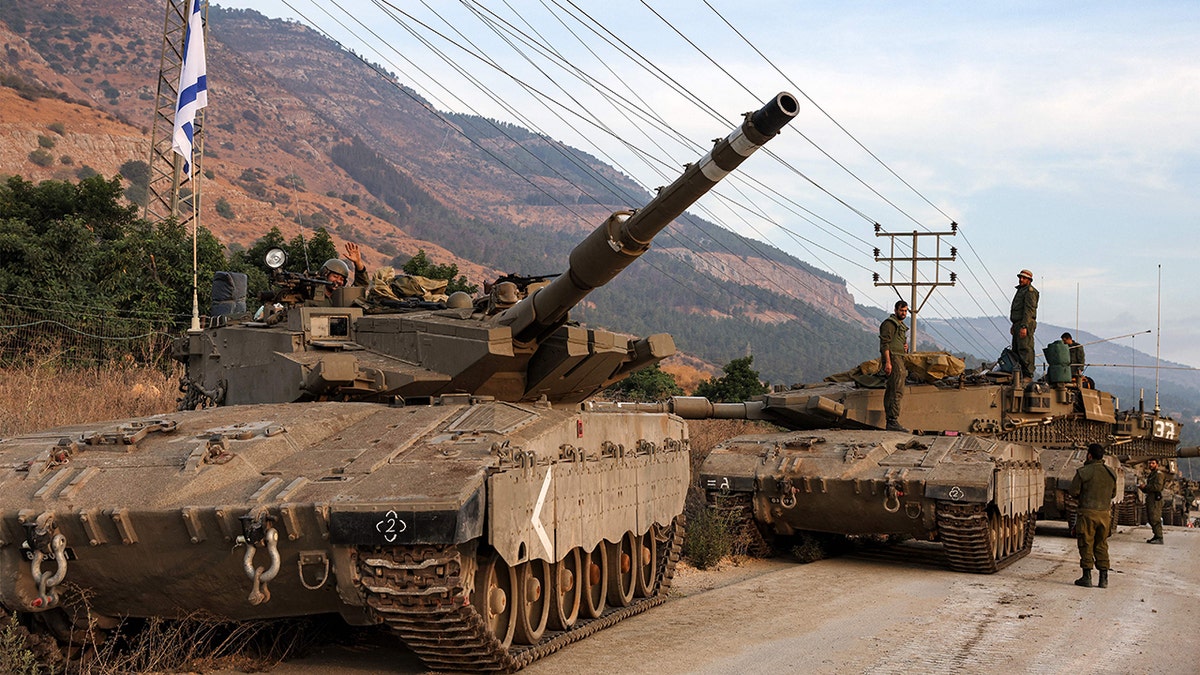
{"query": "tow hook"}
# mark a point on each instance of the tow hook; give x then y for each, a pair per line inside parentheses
(258, 531)
(45, 541)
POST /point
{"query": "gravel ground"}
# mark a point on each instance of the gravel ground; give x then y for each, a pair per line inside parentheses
(895, 612)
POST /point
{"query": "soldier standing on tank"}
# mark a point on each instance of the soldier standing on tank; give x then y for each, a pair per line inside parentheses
(893, 341)
(1153, 489)
(1023, 316)
(1077, 357)
(1095, 486)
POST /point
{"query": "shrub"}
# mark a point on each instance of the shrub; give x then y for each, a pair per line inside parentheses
(67, 160)
(85, 171)
(708, 539)
(58, 128)
(223, 208)
(45, 142)
(41, 157)
(15, 655)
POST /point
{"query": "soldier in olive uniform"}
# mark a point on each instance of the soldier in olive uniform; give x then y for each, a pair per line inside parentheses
(337, 272)
(1153, 489)
(1078, 358)
(1095, 486)
(1023, 316)
(893, 341)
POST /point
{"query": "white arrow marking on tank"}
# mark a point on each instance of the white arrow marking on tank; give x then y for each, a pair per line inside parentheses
(537, 513)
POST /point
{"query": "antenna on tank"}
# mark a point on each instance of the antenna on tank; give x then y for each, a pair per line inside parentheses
(1157, 339)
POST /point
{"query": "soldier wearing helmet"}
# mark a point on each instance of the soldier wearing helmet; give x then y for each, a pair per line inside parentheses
(1023, 316)
(337, 272)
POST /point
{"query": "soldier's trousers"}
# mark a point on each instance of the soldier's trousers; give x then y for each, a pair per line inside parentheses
(895, 389)
(1023, 348)
(1154, 515)
(1091, 532)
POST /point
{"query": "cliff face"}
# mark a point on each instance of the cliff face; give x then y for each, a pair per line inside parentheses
(300, 134)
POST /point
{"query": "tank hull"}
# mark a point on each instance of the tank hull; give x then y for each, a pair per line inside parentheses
(964, 491)
(184, 513)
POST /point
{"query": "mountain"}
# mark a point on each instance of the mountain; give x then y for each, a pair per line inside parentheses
(302, 134)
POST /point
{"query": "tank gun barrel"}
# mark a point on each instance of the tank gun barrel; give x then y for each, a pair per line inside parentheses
(626, 235)
(1190, 451)
(692, 408)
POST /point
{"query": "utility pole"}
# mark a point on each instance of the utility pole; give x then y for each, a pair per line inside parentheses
(163, 199)
(913, 284)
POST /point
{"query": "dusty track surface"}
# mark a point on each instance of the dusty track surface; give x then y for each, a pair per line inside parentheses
(873, 612)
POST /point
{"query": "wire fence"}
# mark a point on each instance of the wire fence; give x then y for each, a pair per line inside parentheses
(35, 331)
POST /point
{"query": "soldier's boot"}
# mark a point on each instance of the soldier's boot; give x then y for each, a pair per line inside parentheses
(893, 425)
(1085, 580)
(1103, 583)
(1154, 540)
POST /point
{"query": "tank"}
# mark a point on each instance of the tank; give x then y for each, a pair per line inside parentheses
(1035, 431)
(429, 470)
(977, 496)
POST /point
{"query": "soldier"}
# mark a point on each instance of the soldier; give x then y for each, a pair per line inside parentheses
(1095, 486)
(1077, 357)
(893, 340)
(1153, 489)
(1023, 316)
(337, 272)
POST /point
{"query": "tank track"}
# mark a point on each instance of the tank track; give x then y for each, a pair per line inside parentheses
(969, 542)
(1129, 511)
(420, 593)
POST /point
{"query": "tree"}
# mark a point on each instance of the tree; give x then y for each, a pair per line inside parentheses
(647, 384)
(740, 383)
(420, 266)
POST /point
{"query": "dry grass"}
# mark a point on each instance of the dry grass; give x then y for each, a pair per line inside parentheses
(45, 395)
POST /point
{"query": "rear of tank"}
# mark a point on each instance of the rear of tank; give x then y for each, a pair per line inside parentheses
(869, 482)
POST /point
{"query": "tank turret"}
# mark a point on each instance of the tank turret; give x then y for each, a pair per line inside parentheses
(521, 353)
(423, 470)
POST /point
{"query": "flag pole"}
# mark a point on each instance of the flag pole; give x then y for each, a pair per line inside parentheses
(192, 95)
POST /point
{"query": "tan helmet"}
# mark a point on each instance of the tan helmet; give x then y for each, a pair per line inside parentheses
(1026, 274)
(506, 294)
(336, 266)
(458, 300)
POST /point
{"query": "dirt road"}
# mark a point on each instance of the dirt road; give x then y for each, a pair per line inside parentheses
(871, 613)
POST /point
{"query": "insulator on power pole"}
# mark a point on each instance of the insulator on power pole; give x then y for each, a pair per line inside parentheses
(953, 277)
(953, 226)
(877, 254)
(876, 275)
(953, 252)
(878, 227)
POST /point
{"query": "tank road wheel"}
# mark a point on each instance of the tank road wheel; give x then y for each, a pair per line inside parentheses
(622, 573)
(646, 557)
(595, 581)
(494, 585)
(532, 601)
(566, 585)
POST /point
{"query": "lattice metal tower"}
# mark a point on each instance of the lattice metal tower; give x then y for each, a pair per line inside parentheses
(164, 198)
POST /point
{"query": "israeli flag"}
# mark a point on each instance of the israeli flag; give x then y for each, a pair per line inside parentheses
(193, 88)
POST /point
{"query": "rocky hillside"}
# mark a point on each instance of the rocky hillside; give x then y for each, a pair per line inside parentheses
(301, 134)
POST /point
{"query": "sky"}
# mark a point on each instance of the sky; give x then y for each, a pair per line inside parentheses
(1061, 137)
